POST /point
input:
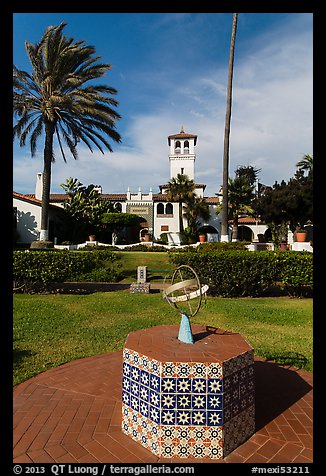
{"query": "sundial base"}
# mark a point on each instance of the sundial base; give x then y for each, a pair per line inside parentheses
(188, 401)
(185, 334)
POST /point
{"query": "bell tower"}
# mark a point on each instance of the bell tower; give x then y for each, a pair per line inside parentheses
(182, 154)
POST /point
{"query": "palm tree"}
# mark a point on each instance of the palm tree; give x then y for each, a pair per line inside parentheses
(240, 198)
(194, 209)
(224, 223)
(306, 163)
(180, 189)
(55, 101)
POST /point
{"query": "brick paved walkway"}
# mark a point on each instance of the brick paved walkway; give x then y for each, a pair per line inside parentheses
(72, 414)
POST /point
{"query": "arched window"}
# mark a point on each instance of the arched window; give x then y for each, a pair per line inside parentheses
(169, 209)
(186, 147)
(160, 209)
(177, 147)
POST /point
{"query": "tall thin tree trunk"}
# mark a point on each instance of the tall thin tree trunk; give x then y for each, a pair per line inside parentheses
(224, 224)
(47, 164)
(235, 227)
(180, 218)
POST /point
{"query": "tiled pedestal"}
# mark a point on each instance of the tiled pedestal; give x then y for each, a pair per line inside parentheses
(188, 400)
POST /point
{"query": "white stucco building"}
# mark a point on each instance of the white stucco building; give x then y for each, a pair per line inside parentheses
(159, 215)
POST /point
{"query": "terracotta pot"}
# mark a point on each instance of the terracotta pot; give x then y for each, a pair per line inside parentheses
(301, 236)
(202, 238)
(147, 237)
(283, 246)
(91, 237)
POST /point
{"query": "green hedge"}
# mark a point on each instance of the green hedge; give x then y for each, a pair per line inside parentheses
(60, 266)
(241, 273)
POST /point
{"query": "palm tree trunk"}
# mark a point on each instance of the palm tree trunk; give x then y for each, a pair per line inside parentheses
(180, 218)
(47, 163)
(235, 227)
(224, 224)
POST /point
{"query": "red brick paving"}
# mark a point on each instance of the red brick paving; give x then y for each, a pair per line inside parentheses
(73, 414)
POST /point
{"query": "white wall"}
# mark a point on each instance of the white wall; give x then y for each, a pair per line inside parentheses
(171, 221)
(28, 220)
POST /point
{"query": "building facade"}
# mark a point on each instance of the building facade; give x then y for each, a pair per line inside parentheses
(158, 213)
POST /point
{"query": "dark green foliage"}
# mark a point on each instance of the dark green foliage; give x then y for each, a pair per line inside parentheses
(221, 246)
(242, 273)
(60, 266)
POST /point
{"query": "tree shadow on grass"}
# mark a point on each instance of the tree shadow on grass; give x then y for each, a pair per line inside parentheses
(276, 389)
(19, 355)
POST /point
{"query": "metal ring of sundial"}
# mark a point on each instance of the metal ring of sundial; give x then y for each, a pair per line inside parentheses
(184, 290)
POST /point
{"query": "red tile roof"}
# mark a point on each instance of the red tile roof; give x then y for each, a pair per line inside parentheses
(30, 198)
(182, 135)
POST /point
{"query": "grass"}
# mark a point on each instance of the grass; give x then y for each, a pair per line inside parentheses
(50, 330)
(130, 260)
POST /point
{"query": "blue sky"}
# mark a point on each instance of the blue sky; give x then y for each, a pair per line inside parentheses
(170, 69)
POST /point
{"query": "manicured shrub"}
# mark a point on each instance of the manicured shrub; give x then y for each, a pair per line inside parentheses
(221, 246)
(58, 266)
(241, 273)
(295, 272)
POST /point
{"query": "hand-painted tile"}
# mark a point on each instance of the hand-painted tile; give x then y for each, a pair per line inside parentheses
(144, 378)
(168, 385)
(183, 417)
(214, 402)
(214, 418)
(183, 385)
(199, 417)
(154, 399)
(169, 369)
(199, 402)
(183, 401)
(155, 382)
(199, 385)
(168, 401)
(214, 370)
(168, 417)
(214, 385)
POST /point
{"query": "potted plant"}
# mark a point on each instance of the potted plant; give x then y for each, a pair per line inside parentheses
(91, 237)
(202, 238)
(300, 235)
(147, 237)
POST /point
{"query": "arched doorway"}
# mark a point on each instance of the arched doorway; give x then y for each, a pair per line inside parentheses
(210, 232)
(245, 233)
(143, 228)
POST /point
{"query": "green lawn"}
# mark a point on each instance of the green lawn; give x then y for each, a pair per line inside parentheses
(53, 329)
(130, 260)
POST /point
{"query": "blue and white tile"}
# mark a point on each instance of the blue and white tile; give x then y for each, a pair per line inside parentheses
(183, 401)
(154, 399)
(214, 418)
(199, 385)
(183, 385)
(214, 385)
(168, 417)
(155, 382)
(215, 402)
(144, 393)
(168, 401)
(199, 417)
(198, 401)
(168, 385)
(183, 417)
(144, 378)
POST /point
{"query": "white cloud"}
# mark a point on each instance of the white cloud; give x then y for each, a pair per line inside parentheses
(271, 124)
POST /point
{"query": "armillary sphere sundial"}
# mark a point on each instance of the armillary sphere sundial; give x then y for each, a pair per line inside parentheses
(185, 293)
